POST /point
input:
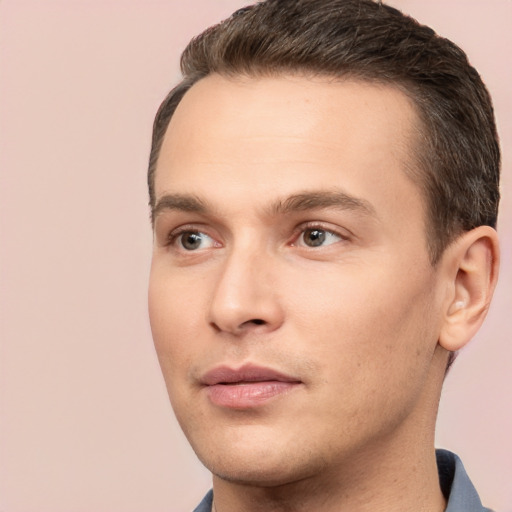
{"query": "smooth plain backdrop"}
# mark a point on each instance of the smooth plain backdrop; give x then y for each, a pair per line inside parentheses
(85, 424)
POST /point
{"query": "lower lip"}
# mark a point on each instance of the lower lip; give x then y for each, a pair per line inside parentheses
(247, 394)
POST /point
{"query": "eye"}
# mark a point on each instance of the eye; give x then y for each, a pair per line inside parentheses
(317, 237)
(193, 240)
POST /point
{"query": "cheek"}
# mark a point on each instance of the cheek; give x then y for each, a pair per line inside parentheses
(173, 317)
(368, 322)
(372, 342)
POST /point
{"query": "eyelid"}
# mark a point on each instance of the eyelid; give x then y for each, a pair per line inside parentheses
(171, 236)
(168, 237)
(176, 233)
(344, 233)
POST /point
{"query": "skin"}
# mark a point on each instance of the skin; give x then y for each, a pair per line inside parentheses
(362, 320)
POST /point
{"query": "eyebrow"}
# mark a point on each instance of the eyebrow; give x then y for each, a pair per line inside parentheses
(313, 200)
(179, 202)
(317, 200)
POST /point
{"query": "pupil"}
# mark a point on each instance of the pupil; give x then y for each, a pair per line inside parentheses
(191, 241)
(314, 237)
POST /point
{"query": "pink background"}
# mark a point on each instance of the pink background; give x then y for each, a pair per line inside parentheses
(85, 422)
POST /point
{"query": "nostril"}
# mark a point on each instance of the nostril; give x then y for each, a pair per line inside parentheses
(257, 321)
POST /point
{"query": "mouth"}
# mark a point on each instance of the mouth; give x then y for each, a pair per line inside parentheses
(246, 387)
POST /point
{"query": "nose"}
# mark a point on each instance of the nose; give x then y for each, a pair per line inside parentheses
(246, 295)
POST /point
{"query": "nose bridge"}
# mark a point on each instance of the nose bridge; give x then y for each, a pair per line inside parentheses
(245, 295)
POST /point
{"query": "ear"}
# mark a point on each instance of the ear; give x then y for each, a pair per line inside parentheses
(471, 264)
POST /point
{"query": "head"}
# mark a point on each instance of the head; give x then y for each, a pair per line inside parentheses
(324, 187)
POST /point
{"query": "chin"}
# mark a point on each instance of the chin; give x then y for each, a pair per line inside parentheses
(257, 474)
(263, 464)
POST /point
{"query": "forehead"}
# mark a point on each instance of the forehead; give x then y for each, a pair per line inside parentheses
(289, 132)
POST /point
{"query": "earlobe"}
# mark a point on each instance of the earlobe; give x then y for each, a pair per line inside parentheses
(472, 262)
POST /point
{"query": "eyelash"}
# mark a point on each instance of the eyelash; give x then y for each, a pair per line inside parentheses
(311, 226)
(175, 234)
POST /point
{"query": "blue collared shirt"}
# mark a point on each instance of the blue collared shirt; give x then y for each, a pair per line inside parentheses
(460, 494)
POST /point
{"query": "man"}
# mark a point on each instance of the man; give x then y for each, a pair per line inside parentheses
(324, 192)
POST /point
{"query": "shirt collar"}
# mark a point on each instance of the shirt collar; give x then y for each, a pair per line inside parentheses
(460, 494)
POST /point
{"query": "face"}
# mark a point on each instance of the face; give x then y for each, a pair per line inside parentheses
(292, 302)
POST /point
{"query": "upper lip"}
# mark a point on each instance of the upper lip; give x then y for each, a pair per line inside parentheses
(246, 373)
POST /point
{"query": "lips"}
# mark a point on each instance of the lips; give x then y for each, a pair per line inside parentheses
(246, 387)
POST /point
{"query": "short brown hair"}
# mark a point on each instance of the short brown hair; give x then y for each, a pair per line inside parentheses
(458, 157)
